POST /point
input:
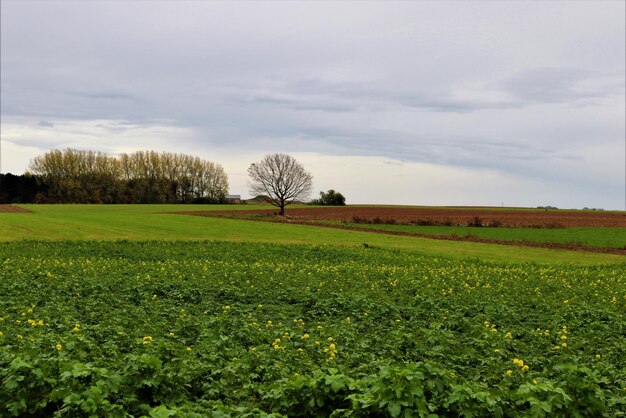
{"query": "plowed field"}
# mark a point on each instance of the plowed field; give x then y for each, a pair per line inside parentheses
(450, 216)
(12, 209)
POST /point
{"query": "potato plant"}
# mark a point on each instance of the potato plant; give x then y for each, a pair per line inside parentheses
(194, 329)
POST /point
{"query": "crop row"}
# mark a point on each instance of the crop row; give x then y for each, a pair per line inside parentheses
(228, 329)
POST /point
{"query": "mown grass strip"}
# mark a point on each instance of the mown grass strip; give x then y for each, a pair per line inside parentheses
(147, 222)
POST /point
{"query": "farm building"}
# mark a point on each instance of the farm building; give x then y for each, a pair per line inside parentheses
(233, 199)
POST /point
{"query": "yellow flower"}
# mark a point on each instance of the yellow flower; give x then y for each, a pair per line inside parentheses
(329, 338)
(253, 349)
(497, 350)
(19, 337)
(40, 323)
(509, 372)
(564, 337)
(75, 329)
(534, 381)
(226, 307)
(147, 339)
(188, 348)
(508, 335)
(59, 347)
(332, 346)
(1, 334)
(171, 334)
(260, 306)
(564, 345)
(518, 362)
(525, 368)
(598, 356)
(305, 337)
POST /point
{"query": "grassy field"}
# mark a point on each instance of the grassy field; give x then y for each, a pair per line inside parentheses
(125, 311)
(147, 222)
(217, 329)
(591, 237)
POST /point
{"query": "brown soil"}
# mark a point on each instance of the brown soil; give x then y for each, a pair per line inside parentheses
(506, 217)
(452, 216)
(13, 209)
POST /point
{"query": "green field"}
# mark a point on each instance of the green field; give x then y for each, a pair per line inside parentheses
(148, 222)
(589, 237)
(124, 311)
(197, 329)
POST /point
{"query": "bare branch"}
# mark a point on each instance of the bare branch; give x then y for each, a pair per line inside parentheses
(281, 178)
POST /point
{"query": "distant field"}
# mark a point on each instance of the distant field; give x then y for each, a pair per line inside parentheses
(149, 222)
(592, 237)
(531, 225)
(539, 218)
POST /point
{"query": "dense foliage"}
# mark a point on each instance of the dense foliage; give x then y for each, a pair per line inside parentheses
(24, 188)
(74, 176)
(226, 329)
(330, 198)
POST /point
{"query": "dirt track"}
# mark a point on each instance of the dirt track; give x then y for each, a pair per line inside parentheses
(13, 209)
(452, 216)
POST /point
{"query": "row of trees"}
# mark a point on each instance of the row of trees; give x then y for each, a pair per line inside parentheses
(74, 176)
(23, 188)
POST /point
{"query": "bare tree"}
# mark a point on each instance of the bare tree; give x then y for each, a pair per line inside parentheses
(281, 178)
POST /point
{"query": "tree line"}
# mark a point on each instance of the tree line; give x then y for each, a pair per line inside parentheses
(75, 176)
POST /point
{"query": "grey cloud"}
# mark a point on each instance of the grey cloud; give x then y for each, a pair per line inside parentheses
(561, 85)
(102, 95)
(45, 124)
(316, 77)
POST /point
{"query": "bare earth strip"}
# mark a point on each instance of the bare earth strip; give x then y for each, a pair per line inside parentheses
(460, 216)
(13, 209)
(296, 216)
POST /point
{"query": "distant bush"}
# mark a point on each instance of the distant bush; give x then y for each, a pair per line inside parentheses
(330, 198)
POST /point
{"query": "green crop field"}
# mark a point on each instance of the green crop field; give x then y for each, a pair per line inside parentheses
(590, 237)
(149, 222)
(123, 311)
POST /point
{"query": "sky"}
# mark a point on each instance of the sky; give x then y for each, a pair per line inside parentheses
(420, 103)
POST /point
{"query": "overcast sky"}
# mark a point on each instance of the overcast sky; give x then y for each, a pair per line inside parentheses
(426, 103)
